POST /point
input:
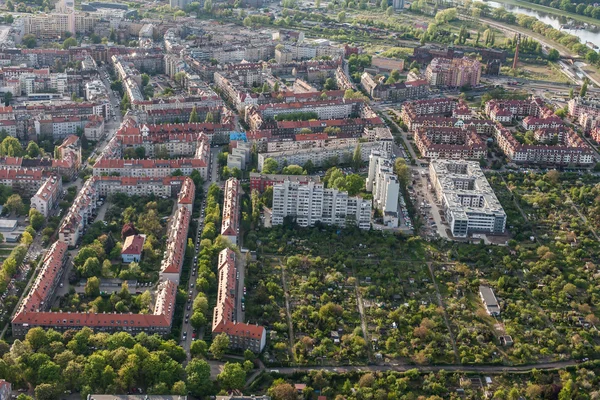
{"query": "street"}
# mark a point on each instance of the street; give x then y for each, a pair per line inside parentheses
(187, 331)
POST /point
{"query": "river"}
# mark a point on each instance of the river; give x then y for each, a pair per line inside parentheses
(587, 34)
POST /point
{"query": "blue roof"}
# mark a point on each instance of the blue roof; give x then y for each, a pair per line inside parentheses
(239, 136)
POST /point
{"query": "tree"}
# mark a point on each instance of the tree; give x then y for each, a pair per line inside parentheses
(149, 223)
(447, 15)
(26, 238)
(208, 6)
(7, 98)
(29, 41)
(330, 84)
(14, 203)
(270, 166)
(33, 150)
(280, 390)
(390, 11)
(92, 287)
(553, 55)
(357, 161)
(219, 345)
(145, 79)
(11, 147)
(582, 92)
(194, 116)
(46, 391)
(198, 348)
(354, 184)
(10, 6)
(198, 377)
(384, 5)
(592, 56)
(209, 118)
(140, 152)
(402, 171)
(91, 267)
(276, 87)
(341, 16)
(179, 388)
(69, 42)
(571, 94)
(232, 377)
(292, 170)
(198, 320)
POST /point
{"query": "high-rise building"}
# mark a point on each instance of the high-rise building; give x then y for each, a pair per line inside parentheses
(385, 186)
(311, 203)
(398, 4)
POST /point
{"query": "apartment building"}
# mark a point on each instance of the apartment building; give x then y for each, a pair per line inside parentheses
(176, 140)
(25, 181)
(260, 181)
(385, 186)
(450, 143)
(170, 268)
(455, 72)
(319, 156)
(230, 225)
(47, 195)
(310, 203)
(430, 107)
(578, 106)
(467, 198)
(399, 91)
(571, 149)
(149, 168)
(241, 335)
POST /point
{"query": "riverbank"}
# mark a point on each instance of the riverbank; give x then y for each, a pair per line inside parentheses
(551, 10)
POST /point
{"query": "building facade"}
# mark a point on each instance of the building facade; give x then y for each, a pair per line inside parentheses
(310, 203)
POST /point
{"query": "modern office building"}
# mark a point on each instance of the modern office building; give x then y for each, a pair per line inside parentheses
(310, 203)
(466, 197)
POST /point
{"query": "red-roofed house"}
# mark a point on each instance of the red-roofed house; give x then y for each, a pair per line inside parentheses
(132, 248)
(231, 210)
(241, 335)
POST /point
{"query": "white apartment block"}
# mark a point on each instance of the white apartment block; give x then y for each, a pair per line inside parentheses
(318, 156)
(310, 203)
(47, 195)
(467, 198)
(385, 186)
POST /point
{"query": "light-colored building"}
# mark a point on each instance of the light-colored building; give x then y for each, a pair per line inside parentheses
(318, 156)
(467, 198)
(385, 186)
(387, 64)
(489, 300)
(310, 203)
(47, 195)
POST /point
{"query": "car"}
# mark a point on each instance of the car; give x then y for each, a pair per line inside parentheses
(244, 290)
(189, 307)
(186, 320)
(243, 307)
(191, 285)
(194, 334)
(187, 315)
(191, 291)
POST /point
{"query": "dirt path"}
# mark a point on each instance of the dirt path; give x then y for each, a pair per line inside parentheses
(363, 320)
(445, 315)
(287, 311)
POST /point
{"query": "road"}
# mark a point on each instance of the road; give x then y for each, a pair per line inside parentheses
(187, 331)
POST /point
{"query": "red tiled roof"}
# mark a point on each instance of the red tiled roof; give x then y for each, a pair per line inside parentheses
(133, 245)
